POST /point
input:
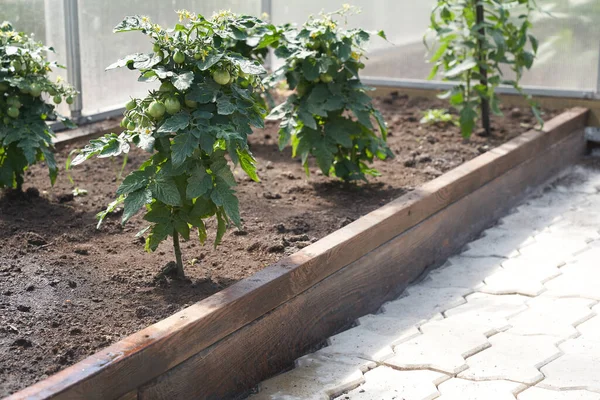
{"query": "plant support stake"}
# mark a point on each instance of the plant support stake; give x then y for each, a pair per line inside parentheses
(485, 103)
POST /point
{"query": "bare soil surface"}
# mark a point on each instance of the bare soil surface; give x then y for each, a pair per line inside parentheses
(68, 289)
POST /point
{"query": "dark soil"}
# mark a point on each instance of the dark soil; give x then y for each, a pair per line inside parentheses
(68, 289)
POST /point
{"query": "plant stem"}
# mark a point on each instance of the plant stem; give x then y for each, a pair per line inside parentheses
(178, 259)
(485, 103)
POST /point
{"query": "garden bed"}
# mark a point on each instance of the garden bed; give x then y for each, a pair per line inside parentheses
(69, 290)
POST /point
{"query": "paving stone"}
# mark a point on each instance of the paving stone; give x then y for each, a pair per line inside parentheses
(399, 329)
(443, 346)
(512, 357)
(521, 275)
(590, 329)
(463, 272)
(560, 202)
(461, 389)
(498, 242)
(315, 377)
(578, 180)
(576, 280)
(488, 311)
(384, 383)
(576, 369)
(561, 247)
(536, 393)
(359, 342)
(424, 303)
(587, 229)
(554, 317)
(531, 219)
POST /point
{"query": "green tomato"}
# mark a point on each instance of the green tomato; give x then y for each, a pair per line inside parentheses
(326, 78)
(156, 47)
(245, 83)
(302, 88)
(167, 87)
(12, 112)
(3, 86)
(197, 56)
(130, 105)
(179, 57)
(190, 103)
(57, 99)
(156, 109)
(52, 92)
(221, 76)
(6, 120)
(35, 90)
(69, 100)
(172, 105)
(124, 122)
(16, 65)
(13, 101)
(131, 126)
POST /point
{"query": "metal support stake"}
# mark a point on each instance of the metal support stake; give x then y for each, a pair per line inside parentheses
(266, 7)
(73, 54)
(598, 79)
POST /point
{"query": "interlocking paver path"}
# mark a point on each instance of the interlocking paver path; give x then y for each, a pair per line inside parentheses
(515, 316)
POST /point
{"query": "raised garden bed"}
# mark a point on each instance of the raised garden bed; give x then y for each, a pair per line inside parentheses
(85, 289)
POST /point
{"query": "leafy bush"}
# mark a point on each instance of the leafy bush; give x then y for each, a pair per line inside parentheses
(25, 137)
(203, 110)
(437, 116)
(477, 42)
(322, 64)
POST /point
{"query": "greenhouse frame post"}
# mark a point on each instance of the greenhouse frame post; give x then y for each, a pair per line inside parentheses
(71, 10)
(598, 78)
(266, 7)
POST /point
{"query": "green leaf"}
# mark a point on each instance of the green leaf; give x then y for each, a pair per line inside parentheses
(223, 196)
(184, 81)
(467, 121)
(307, 119)
(134, 201)
(460, 68)
(183, 146)
(225, 107)
(199, 183)
(247, 66)
(134, 181)
(158, 233)
(310, 69)
(221, 227)
(159, 213)
(248, 164)
(131, 23)
(175, 123)
(182, 228)
(209, 61)
(165, 190)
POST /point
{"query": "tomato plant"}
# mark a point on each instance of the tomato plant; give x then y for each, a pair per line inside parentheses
(25, 137)
(204, 109)
(477, 42)
(322, 64)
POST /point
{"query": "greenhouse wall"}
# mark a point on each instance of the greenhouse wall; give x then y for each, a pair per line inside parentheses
(568, 30)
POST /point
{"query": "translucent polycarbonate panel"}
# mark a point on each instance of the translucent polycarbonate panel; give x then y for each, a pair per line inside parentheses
(404, 22)
(569, 54)
(45, 20)
(569, 38)
(100, 47)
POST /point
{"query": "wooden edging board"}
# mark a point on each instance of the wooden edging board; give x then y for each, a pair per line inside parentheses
(228, 342)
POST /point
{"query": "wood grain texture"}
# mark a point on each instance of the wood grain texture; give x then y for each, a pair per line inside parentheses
(149, 353)
(234, 365)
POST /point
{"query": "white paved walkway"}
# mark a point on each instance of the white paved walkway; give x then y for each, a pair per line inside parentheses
(515, 316)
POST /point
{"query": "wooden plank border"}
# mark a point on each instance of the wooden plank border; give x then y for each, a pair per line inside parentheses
(207, 326)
